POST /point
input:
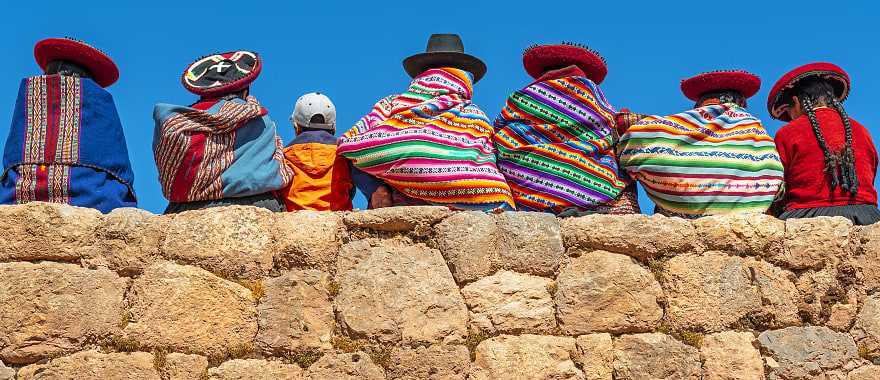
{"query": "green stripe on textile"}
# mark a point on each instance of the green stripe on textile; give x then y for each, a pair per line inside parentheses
(552, 171)
(534, 107)
(405, 150)
(700, 162)
(690, 146)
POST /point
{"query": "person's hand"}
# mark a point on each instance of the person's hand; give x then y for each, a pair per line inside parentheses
(381, 197)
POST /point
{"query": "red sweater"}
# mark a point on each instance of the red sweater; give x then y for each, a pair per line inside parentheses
(806, 183)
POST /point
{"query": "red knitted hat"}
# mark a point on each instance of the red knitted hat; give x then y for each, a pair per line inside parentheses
(777, 100)
(539, 58)
(222, 73)
(104, 71)
(740, 81)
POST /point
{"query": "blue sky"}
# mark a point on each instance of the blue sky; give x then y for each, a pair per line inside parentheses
(351, 50)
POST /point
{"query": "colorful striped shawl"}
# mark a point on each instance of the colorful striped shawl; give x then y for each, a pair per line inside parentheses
(431, 143)
(555, 141)
(228, 151)
(714, 159)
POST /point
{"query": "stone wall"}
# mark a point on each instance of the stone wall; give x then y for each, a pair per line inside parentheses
(425, 293)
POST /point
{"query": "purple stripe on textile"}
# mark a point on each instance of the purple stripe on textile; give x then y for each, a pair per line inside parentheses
(506, 166)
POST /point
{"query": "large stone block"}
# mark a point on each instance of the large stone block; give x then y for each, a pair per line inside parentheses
(866, 330)
(45, 231)
(469, 242)
(308, 239)
(639, 236)
(401, 294)
(188, 309)
(868, 372)
(731, 355)
(510, 302)
(607, 292)
(296, 313)
(232, 242)
(530, 242)
(185, 367)
(654, 356)
(255, 369)
(526, 357)
(397, 219)
(52, 309)
(127, 241)
(741, 234)
(94, 365)
(713, 292)
(341, 366)
(6, 373)
(808, 353)
(434, 362)
(596, 356)
(867, 262)
(813, 243)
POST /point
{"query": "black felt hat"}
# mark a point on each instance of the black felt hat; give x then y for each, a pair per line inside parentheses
(444, 50)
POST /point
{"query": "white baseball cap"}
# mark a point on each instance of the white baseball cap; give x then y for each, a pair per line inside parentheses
(314, 110)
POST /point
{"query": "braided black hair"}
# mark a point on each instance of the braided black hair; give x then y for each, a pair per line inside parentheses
(723, 96)
(840, 166)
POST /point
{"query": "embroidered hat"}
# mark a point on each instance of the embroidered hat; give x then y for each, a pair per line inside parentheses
(539, 59)
(102, 69)
(444, 50)
(314, 110)
(743, 82)
(223, 73)
(777, 101)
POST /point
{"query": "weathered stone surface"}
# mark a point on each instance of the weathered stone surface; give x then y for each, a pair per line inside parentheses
(188, 309)
(232, 242)
(596, 356)
(639, 236)
(526, 356)
(296, 313)
(126, 241)
(340, 366)
(607, 292)
(530, 242)
(469, 242)
(808, 352)
(654, 356)
(868, 372)
(51, 309)
(866, 330)
(510, 302)
(308, 239)
(94, 365)
(731, 355)
(713, 292)
(741, 234)
(435, 362)
(402, 293)
(867, 262)
(255, 369)
(353, 253)
(185, 367)
(397, 219)
(6, 373)
(813, 243)
(45, 231)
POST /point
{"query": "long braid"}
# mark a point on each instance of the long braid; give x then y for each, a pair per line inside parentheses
(830, 159)
(849, 158)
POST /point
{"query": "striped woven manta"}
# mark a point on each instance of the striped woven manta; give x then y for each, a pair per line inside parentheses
(711, 160)
(431, 143)
(556, 146)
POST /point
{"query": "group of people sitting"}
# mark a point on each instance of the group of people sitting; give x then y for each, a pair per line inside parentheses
(558, 145)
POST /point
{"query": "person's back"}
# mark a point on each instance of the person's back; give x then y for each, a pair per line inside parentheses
(321, 179)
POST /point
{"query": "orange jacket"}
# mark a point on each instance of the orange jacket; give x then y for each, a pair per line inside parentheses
(321, 179)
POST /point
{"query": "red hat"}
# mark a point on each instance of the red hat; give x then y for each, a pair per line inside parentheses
(104, 71)
(539, 58)
(777, 102)
(740, 81)
(223, 73)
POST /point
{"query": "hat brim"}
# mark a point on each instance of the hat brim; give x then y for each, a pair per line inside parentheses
(419, 63)
(103, 69)
(539, 59)
(777, 98)
(228, 87)
(745, 83)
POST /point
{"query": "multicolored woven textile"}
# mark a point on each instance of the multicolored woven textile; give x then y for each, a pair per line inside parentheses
(230, 150)
(431, 143)
(555, 141)
(710, 160)
(66, 146)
